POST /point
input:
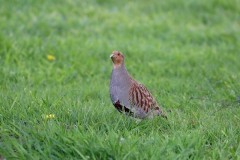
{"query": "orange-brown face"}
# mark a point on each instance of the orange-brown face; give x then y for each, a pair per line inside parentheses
(117, 58)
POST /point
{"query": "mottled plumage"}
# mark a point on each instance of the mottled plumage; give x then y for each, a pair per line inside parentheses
(127, 94)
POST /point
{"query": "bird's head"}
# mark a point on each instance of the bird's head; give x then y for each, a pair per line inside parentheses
(117, 58)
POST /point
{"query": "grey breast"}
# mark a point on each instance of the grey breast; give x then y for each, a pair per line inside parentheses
(120, 86)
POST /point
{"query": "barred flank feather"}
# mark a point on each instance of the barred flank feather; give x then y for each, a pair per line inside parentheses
(140, 97)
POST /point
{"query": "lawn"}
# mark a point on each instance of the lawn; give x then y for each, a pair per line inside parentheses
(55, 72)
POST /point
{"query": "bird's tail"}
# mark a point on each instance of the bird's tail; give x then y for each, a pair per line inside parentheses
(164, 115)
(159, 112)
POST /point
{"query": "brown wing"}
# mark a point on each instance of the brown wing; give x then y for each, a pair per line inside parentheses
(140, 97)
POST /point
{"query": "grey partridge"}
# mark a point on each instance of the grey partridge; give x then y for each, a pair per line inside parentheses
(127, 95)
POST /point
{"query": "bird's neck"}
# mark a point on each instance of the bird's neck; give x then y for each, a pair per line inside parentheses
(120, 77)
(120, 68)
(118, 65)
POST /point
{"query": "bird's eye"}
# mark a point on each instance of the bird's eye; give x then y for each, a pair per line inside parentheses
(118, 54)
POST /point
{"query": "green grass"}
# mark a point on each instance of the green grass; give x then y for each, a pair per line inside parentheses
(186, 52)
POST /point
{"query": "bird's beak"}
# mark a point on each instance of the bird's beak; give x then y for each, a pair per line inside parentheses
(111, 55)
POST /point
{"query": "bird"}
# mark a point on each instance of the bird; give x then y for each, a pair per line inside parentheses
(128, 95)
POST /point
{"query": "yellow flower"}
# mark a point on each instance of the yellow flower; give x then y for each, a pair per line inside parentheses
(51, 57)
(49, 116)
